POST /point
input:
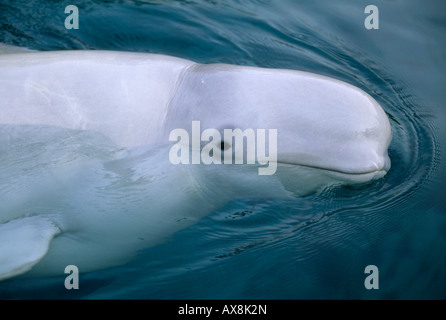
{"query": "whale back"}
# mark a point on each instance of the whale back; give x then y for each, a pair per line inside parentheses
(122, 95)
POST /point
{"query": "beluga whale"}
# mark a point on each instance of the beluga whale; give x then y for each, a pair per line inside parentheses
(103, 153)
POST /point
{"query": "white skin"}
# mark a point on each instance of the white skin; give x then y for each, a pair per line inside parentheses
(329, 132)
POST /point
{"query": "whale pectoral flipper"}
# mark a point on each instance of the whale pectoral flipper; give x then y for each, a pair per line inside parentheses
(23, 243)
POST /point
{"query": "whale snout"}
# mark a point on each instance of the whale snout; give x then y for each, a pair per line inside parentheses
(301, 179)
(347, 133)
(380, 163)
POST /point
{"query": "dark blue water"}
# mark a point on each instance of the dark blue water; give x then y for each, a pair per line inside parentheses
(313, 247)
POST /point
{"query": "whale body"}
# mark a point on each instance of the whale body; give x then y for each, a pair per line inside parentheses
(85, 176)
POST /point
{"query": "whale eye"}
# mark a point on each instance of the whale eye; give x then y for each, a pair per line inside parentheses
(224, 146)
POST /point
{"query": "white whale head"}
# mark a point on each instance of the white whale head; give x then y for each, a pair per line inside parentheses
(327, 130)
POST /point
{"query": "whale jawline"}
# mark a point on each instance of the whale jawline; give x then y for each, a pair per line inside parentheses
(338, 171)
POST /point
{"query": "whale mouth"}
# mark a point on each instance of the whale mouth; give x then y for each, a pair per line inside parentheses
(334, 170)
(368, 173)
